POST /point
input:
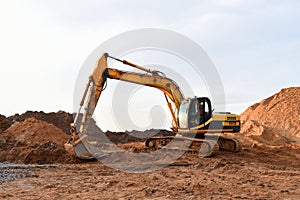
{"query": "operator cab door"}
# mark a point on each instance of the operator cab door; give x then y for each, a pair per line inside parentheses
(199, 111)
(194, 112)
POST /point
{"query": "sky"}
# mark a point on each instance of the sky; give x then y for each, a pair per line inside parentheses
(254, 44)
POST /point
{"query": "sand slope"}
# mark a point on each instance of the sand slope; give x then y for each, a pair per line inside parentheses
(273, 121)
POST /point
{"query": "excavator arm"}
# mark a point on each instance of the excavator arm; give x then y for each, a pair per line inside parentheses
(97, 82)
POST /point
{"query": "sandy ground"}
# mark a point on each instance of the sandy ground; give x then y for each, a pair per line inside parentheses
(255, 173)
(267, 168)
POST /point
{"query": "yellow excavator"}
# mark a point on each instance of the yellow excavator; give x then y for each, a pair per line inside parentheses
(193, 118)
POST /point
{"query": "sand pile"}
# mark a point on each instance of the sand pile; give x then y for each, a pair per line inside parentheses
(259, 135)
(59, 119)
(33, 141)
(32, 131)
(274, 121)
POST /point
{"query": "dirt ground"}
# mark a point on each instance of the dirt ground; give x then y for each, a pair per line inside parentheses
(34, 164)
(255, 173)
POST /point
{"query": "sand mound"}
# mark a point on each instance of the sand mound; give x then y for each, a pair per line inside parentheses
(59, 119)
(274, 121)
(259, 135)
(34, 141)
(33, 131)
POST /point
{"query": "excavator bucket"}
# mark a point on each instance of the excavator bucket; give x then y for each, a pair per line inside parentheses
(78, 150)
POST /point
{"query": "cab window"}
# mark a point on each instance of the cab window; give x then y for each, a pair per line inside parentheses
(195, 112)
(183, 115)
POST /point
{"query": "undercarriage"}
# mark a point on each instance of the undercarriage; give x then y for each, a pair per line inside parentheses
(206, 146)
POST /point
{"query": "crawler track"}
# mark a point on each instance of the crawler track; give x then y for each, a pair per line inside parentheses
(206, 147)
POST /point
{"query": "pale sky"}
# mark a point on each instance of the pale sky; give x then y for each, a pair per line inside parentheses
(255, 45)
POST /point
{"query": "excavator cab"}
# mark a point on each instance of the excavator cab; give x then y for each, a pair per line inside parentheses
(194, 112)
